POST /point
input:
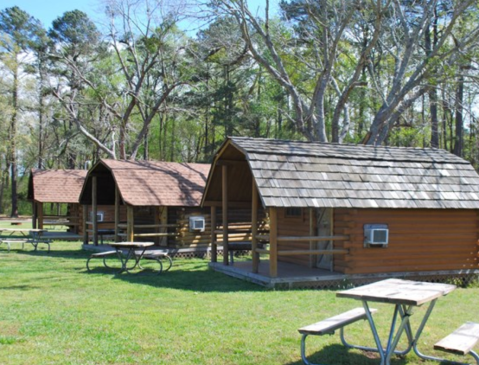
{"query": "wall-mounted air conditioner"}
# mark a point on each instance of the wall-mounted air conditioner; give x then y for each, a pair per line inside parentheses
(197, 224)
(99, 216)
(376, 235)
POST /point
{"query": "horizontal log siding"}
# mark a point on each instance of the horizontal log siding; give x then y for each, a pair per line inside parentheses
(419, 240)
(185, 238)
(108, 216)
(293, 226)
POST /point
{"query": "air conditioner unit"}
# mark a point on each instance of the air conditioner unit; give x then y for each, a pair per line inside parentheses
(197, 224)
(99, 216)
(376, 235)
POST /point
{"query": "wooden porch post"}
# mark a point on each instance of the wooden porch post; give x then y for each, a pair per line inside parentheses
(163, 221)
(224, 176)
(273, 242)
(157, 222)
(34, 214)
(40, 215)
(254, 227)
(84, 224)
(130, 222)
(117, 213)
(94, 198)
(214, 245)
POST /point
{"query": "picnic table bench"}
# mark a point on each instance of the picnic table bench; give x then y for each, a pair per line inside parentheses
(461, 341)
(102, 255)
(329, 326)
(28, 235)
(8, 242)
(158, 256)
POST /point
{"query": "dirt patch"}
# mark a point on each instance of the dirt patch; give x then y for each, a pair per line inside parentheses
(9, 329)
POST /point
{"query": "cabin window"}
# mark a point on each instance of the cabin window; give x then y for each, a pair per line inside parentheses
(294, 213)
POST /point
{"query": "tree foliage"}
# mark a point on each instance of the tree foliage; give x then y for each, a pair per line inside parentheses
(144, 86)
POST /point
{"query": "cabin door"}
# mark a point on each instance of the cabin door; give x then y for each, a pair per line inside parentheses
(324, 222)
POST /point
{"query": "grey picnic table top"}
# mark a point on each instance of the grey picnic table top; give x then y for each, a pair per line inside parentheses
(398, 291)
(131, 244)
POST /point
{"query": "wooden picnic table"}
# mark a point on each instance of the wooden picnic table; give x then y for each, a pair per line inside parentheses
(32, 235)
(131, 254)
(23, 231)
(405, 295)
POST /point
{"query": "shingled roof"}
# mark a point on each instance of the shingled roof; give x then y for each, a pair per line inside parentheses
(308, 174)
(56, 186)
(146, 183)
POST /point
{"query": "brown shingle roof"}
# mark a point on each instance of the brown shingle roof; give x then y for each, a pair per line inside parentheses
(56, 186)
(308, 174)
(146, 183)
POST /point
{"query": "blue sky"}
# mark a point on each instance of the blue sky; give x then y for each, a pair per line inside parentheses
(48, 10)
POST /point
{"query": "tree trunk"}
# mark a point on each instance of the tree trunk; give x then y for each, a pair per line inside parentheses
(145, 147)
(433, 92)
(459, 139)
(40, 125)
(434, 118)
(3, 180)
(13, 147)
(122, 144)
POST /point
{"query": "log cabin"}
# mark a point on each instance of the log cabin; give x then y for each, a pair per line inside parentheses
(152, 201)
(341, 213)
(55, 197)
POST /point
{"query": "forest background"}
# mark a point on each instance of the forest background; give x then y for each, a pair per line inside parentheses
(169, 80)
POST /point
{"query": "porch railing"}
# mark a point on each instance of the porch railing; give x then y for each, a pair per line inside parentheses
(332, 251)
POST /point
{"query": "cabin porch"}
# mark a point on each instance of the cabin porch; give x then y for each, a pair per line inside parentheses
(301, 236)
(293, 276)
(288, 275)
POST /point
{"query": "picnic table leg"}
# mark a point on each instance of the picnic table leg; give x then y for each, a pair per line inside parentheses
(131, 254)
(123, 260)
(394, 337)
(375, 332)
(418, 334)
(410, 337)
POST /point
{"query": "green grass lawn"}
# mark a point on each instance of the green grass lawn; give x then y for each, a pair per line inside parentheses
(52, 311)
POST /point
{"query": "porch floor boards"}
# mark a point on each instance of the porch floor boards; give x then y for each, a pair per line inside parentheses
(59, 235)
(289, 275)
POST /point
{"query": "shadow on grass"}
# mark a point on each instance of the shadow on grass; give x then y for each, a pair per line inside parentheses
(337, 354)
(184, 275)
(20, 287)
(43, 251)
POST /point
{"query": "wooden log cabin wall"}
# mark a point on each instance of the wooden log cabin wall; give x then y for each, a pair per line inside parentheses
(108, 217)
(419, 240)
(239, 220)
(297, 222)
